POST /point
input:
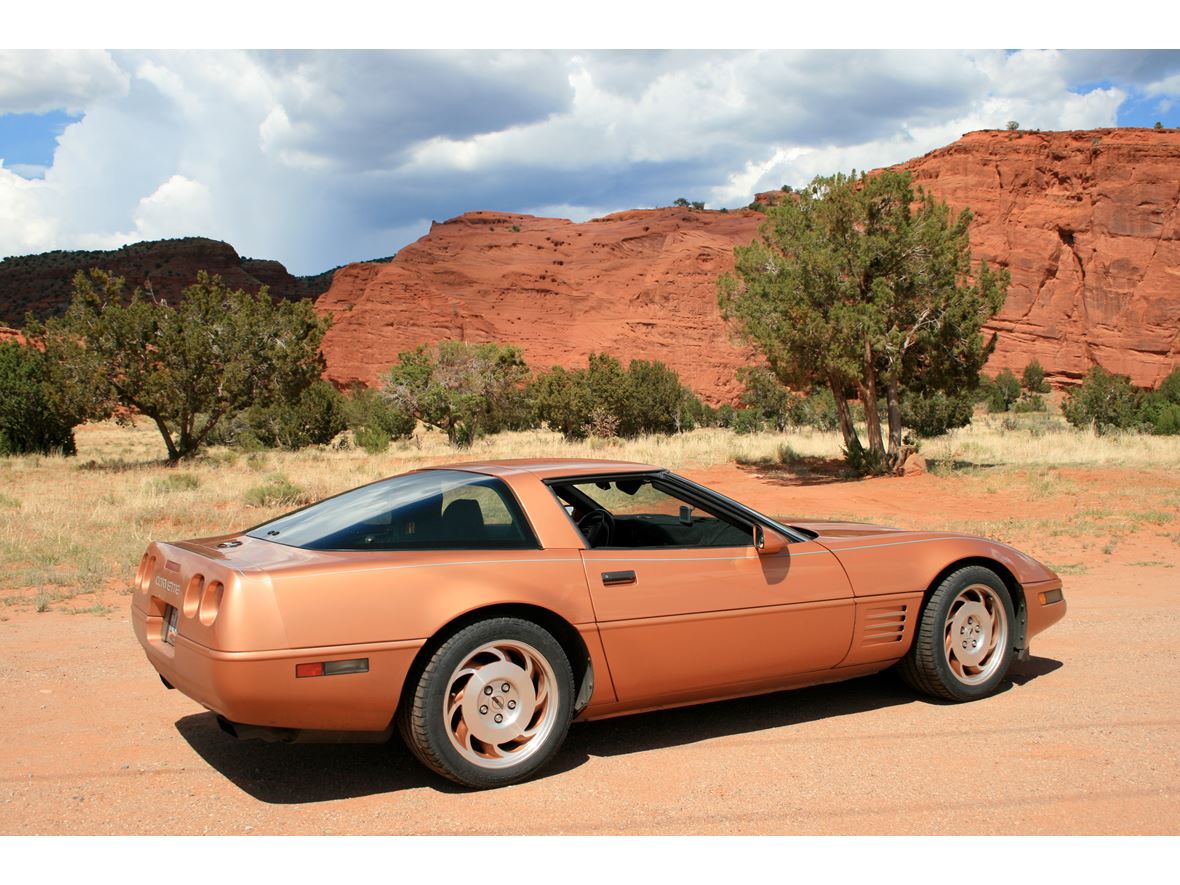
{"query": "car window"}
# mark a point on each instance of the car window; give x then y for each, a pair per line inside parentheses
(643, 514)
(429, 510)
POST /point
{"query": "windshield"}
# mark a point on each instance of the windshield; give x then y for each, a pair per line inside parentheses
(428, 510)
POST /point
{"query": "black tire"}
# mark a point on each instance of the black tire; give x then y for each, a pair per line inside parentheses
(514, 658)
(964, 642)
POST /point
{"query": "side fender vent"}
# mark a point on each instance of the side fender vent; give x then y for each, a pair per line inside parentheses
(884, 624)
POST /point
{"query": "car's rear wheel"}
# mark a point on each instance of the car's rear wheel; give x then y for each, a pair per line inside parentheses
(492, 705)
(963, 646)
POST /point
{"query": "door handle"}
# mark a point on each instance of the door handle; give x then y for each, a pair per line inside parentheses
(609, 578)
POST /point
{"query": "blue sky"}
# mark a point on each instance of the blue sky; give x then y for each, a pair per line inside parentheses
(27, 141)
(318, 158)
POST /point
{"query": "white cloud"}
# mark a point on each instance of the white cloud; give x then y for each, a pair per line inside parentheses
(573, 213)
(24, 227)
(321, 158)
(1166, 86)
(35, 81)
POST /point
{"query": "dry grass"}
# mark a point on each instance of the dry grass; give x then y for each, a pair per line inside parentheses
(73, 527)
(1046, 439)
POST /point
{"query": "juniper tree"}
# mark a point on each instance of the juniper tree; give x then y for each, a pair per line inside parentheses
(186, 367)
(860, 284)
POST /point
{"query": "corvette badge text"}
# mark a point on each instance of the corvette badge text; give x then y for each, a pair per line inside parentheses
(164, 584)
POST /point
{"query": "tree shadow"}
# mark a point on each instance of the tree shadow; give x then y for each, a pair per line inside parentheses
(950, 465)
(121, 465)
(803, 471)
(283, 774)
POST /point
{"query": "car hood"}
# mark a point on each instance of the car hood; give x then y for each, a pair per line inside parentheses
(833, 530)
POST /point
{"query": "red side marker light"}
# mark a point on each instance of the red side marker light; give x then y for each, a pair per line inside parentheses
(332, 668)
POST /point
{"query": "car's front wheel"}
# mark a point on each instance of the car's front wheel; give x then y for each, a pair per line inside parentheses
(963, 646)
(492, 705)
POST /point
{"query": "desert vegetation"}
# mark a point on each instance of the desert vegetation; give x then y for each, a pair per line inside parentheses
(215, 354)
(73, 528)
(863, 285)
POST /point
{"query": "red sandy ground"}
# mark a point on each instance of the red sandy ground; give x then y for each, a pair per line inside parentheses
(1083, 740)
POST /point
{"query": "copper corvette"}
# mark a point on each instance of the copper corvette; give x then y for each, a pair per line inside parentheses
(480, 608)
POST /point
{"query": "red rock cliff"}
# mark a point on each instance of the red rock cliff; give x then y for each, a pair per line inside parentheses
(639, 285)
(1085, 221)
(1087, 224)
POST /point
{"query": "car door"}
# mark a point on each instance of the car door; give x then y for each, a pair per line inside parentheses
(678, 620)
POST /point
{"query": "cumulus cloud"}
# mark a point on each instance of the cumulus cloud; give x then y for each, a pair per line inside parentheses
(318, 158)
(35, 81)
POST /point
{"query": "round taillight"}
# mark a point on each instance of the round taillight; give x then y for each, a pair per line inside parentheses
(192, 595)
(211, 602)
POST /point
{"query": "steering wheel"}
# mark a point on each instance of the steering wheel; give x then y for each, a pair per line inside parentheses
(597, 527)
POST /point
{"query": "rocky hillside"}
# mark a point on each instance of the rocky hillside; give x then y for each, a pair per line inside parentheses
(1087, 224)
(41, 283)
(1085, 221)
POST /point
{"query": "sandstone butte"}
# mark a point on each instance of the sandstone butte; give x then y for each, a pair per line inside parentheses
(1086, 222)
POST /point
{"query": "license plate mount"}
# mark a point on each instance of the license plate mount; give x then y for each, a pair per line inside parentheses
(171, 618)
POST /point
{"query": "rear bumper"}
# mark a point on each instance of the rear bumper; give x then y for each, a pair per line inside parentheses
(260, 688)
(1045, 604)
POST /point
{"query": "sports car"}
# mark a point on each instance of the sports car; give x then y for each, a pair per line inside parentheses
(480, 608)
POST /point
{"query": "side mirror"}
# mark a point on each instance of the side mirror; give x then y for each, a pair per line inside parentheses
(768, 542)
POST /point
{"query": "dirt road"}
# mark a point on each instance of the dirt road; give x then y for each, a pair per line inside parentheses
(1083, 740)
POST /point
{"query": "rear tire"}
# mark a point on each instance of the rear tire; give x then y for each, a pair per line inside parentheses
(963, 646)
(492, 705)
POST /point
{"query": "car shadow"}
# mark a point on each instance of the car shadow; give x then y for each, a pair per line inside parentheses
(278, 773)
(285, 774)
(687, 725)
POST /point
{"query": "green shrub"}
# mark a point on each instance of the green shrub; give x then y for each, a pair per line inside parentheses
(1033, 378)
(30, 419)
(1103, 401)
(748, 421)
(646, 397)
(375, 421)
(1159, 409)
(1003, 392)
(863, 462)
(465, 390)
(762, 391)
(723, 416)
(372, 439)
(1166, 422)
(1029, 402)
(933, 414)
(313, 418)
(817, 409)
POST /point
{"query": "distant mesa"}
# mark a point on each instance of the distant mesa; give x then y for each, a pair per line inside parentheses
(41, 284)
